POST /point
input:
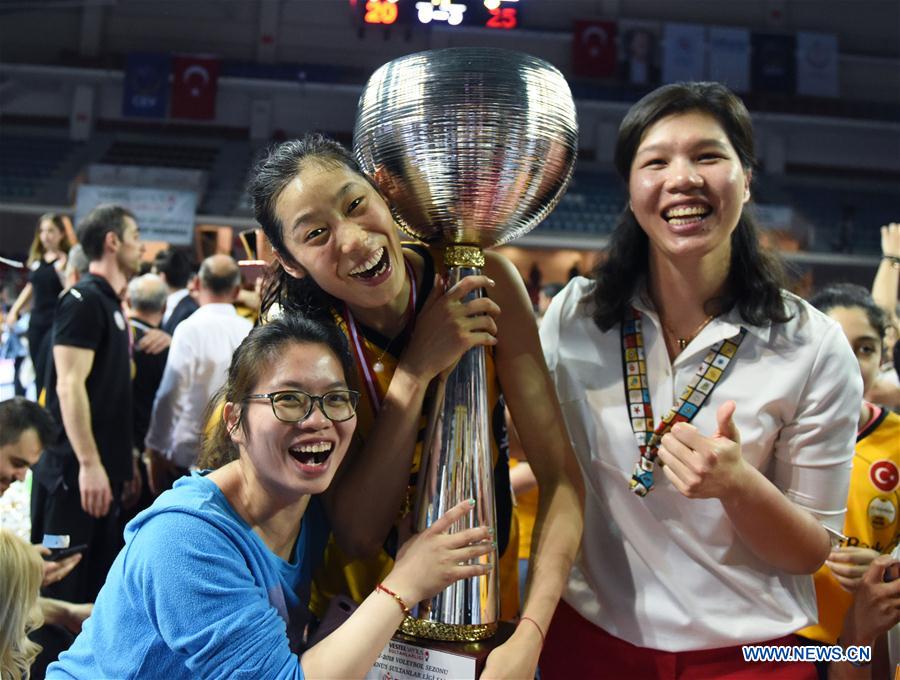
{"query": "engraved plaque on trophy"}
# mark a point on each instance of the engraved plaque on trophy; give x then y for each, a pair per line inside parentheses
(409, 658)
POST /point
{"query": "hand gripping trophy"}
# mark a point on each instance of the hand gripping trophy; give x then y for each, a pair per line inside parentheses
(473, 147)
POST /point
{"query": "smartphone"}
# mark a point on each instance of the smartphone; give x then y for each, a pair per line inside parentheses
(892, 572)
(56, 541)
(57, 555)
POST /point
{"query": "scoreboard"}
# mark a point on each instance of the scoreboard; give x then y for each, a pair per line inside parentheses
(501, 15)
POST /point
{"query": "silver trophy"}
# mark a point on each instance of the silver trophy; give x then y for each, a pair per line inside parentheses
(473, 147)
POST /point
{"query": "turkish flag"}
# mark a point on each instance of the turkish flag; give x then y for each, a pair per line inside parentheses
(594, 49)
(194, 87)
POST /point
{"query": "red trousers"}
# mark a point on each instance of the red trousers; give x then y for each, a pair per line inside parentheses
(576, 648)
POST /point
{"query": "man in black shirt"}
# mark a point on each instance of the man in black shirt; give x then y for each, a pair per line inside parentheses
(79, 480)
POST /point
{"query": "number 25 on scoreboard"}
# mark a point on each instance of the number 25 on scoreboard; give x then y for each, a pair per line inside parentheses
(503, 17)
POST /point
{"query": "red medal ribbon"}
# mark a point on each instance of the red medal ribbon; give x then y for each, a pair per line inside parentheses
(357, 344)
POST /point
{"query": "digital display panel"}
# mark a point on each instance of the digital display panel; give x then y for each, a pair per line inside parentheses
(491, 14)
(379, 12)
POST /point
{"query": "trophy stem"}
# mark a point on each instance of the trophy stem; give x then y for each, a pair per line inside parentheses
(457, 464)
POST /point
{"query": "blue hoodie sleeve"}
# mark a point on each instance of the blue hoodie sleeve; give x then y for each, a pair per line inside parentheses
(201, 593)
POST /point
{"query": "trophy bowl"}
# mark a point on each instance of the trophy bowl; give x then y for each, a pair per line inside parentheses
(472, 147)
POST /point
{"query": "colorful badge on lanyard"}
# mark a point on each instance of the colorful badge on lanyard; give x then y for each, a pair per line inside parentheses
(637, 394)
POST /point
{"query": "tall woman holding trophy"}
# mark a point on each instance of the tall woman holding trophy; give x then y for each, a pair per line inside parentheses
(341, 257)
(709, 486)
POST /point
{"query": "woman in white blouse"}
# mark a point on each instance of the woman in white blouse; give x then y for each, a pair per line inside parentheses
(712, 412)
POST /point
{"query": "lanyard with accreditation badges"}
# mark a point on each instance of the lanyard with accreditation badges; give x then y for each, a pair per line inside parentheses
(637, 394)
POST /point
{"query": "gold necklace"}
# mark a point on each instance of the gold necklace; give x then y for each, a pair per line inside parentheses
(685, 341)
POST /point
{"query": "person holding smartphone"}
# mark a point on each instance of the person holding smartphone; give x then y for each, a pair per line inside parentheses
(24, 427)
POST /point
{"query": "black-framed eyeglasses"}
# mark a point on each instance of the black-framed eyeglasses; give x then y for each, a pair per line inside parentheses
(292, 406)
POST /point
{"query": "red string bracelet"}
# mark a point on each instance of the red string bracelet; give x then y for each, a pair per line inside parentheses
(540, 632)
(388, 591)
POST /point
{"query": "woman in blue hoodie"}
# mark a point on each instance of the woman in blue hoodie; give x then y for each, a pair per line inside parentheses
(214, 577)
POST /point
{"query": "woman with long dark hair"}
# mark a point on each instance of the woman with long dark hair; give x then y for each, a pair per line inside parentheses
(47, 266)
(712, 412)
(214, 577)
(340, 257)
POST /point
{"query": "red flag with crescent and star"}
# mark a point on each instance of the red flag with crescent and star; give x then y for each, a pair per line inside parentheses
(594, 49)
(194, 83)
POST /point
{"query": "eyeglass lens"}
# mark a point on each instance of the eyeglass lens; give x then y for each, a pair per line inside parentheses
(295, 406)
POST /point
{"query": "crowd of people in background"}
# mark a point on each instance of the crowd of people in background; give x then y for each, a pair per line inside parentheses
(287, 445)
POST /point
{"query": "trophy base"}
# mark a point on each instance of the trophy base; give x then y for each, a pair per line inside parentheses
(409, 658)
(447, 632)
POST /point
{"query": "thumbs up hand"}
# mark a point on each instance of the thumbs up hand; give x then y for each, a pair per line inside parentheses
(705, 467)
(726, 429)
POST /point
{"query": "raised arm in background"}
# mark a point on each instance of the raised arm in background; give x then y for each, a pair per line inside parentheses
(887, 278)
(885, 289)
